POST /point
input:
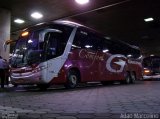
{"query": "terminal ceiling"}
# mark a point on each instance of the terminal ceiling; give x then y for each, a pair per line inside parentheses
(122, 19)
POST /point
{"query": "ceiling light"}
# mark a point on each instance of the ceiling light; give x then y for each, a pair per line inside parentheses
(82, 1)
(148, 19)
(19, 21)
(36, 15)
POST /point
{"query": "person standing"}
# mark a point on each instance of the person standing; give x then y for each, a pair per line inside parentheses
(6, 70)
(3, 69)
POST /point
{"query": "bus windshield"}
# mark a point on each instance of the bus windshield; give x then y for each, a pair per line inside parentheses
(153, 62)
(40, 45)
(26, 49)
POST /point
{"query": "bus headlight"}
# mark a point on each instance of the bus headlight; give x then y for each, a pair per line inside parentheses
(146, 71)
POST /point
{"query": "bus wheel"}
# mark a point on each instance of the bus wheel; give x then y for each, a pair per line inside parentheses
(127, 79)
(133, 77)
(43, 86)
(72, 79)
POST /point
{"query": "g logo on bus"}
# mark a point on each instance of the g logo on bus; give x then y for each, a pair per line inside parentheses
(120, 62)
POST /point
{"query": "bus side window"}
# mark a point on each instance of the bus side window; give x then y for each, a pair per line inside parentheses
(51, 45)
(89, 43)
(94, 41)
(106, 45)
(41, 45)
(119, 48)
(79, 39)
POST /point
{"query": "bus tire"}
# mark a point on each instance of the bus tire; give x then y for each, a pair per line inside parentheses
(72, 79)
(43, 87)
(127, 79)
(133, 77)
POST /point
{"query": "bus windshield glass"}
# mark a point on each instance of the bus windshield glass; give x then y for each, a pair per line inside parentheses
(25, 46)
(153, 62)
(40, 45)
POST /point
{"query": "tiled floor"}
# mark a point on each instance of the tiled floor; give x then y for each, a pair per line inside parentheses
(100, 102)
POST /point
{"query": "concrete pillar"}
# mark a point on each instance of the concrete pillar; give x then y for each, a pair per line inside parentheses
(5, 26)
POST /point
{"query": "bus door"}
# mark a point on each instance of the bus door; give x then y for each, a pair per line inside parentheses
(55, 52)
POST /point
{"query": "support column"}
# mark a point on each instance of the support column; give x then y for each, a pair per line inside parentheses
(5, 26)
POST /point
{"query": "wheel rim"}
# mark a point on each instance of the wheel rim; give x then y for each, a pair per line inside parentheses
(127, 79)
(73, 79)
(133, 77)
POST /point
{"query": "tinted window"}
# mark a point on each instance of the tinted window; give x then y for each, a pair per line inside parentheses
(106, 45)
(79, 39)
(85, 39)
(56, 41)
(54, 44)
(151, 62)
(91, 40)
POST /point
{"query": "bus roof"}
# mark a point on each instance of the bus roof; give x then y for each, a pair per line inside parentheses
(69, 23)
(61, 22)
(74, 24)
(151, 57)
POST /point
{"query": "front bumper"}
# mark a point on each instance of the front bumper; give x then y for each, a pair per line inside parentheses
(151, 77)
(26, 78)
